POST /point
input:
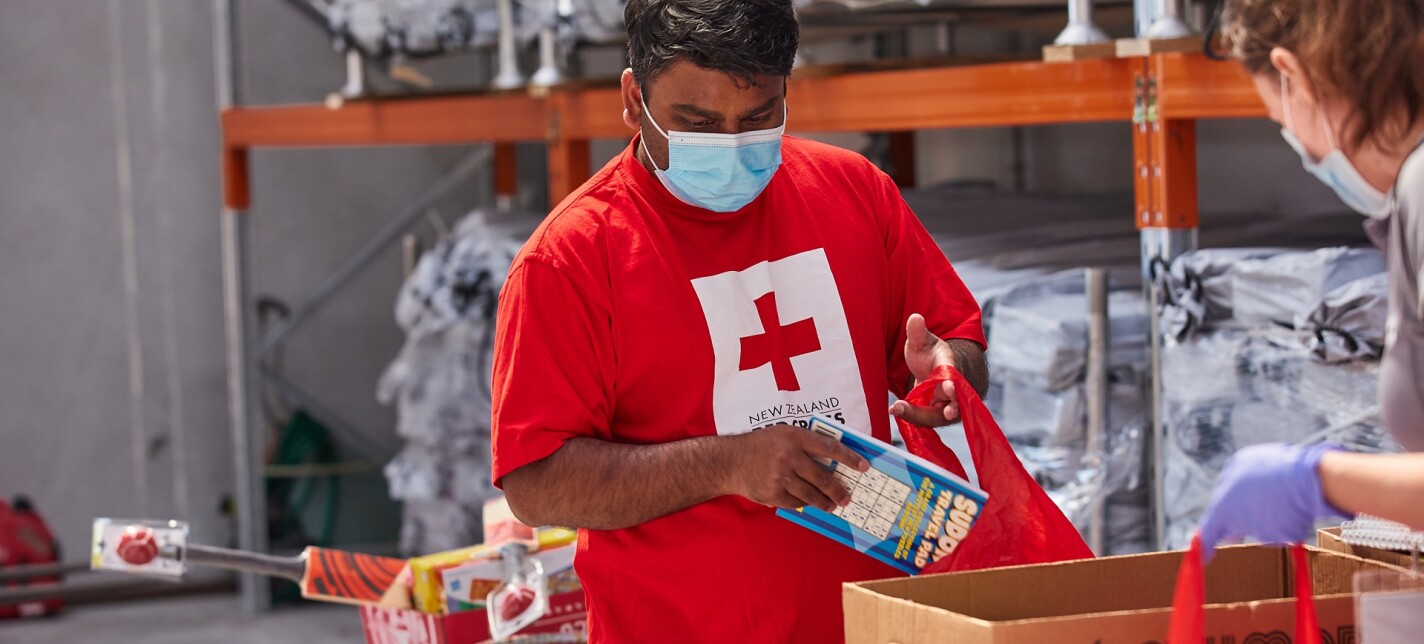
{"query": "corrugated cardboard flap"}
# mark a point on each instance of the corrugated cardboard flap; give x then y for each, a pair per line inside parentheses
(1111, 599)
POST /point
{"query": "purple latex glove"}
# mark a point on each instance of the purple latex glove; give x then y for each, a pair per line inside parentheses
(1270, 493)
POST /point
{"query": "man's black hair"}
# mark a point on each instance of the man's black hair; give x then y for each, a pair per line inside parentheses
(744, 38)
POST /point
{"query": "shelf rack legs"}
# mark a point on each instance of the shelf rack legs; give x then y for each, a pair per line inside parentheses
(1165, 185)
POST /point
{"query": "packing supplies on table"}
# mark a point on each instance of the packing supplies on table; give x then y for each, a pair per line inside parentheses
(905, 511)
(468, 584)
(427, 581)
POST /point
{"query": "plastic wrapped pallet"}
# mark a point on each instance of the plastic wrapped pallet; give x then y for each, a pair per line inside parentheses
(1040, 330)
(423, 28)
(1038, 338)
(1231, 389)
(440, 384)
(1244, 288)
(1349, 323)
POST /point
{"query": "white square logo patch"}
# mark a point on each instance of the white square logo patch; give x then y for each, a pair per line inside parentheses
(782, 346)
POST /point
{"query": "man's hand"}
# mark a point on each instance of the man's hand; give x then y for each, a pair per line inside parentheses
(924, 353)
(777, 466)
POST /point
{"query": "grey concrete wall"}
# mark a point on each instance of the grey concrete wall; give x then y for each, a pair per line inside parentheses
(112, 393)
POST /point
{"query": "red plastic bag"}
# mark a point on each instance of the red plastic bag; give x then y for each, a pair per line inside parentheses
(1020, 524)
(1188, 625)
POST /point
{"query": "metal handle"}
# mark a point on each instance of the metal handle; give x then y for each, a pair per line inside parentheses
(293, 568)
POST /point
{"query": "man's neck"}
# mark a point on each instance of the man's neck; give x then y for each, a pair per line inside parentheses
(641, 152)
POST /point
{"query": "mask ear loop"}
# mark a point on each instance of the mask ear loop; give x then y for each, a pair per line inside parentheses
(644, 140)
(1329, 133)
(1285, 102)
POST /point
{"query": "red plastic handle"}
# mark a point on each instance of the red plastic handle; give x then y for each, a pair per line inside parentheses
(1188, 625)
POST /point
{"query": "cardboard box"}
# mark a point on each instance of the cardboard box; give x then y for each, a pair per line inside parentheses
(1124, 599)
(1329, 539)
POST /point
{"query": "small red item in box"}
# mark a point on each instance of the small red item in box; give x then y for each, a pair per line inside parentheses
(567, 614)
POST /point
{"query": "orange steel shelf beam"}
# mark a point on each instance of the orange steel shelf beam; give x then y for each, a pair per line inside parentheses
(1191, 86)
(415, 121)
(994, 95)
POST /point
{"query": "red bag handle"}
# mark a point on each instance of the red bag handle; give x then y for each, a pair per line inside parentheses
(1188, 615)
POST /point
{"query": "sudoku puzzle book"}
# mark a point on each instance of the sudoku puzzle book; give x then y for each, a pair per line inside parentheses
(904, 510)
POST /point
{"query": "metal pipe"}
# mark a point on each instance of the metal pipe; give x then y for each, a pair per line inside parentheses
(1169, 22)
(355, 75)
(548, 73)
(31, 571)
(456, 176)
(247, 450)
(1155, 438)
(128, 589)
(1097, 395)
(508, 76)
(293, 568)
(1081, 29)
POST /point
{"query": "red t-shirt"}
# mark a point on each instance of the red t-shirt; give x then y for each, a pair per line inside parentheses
(632, 317)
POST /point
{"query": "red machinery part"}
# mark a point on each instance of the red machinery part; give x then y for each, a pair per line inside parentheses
(138, 546)
(25, 540)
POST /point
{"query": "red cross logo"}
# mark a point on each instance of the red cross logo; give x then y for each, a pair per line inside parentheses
(778, 344)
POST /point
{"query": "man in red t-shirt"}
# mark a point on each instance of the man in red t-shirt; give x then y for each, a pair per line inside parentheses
(714, 279)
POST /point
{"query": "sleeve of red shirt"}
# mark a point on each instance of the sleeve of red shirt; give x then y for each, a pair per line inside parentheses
(921, 281)
(553, 362)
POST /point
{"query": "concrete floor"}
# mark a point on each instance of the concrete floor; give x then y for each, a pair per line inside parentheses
(213, 618)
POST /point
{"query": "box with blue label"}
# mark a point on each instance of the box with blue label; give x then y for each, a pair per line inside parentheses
(904, 511)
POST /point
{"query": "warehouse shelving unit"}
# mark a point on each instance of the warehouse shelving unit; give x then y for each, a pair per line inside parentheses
(1161, 96)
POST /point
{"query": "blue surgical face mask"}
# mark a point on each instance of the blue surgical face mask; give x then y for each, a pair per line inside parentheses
(718, 172)
(1335, 170)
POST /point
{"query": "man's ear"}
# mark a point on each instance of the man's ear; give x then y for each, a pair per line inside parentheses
(632, 100)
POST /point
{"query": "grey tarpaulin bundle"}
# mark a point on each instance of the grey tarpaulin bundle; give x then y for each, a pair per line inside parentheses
(421, 28)
(440, 384)
(1265, 345)
(1038, 338)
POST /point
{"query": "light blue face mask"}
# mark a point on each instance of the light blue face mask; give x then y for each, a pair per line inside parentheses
(718, 172)
(1335, 170)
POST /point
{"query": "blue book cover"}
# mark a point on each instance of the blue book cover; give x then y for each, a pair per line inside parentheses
(904, 510)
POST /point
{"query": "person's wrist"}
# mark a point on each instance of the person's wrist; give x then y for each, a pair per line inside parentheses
(1315, 459)
(723, 457)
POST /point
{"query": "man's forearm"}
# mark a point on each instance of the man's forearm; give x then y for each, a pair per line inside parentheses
(969, 359)
(594, 484)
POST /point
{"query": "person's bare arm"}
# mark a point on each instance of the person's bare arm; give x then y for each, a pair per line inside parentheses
(924, 352)
(599, 485)
(969, 360)
(1385, 485)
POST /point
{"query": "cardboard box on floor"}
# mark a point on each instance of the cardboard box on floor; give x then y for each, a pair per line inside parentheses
(1329, 539)
(1128, 599)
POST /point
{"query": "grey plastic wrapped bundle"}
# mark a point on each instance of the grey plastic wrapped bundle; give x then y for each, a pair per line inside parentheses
(423, 28)
(1038, 355)
(1244, 288)
(1040, 330)
(1349, 323)
(1271, 347)
(440, 384)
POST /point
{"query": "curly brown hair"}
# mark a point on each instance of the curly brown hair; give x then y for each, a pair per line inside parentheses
(1370, 52)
